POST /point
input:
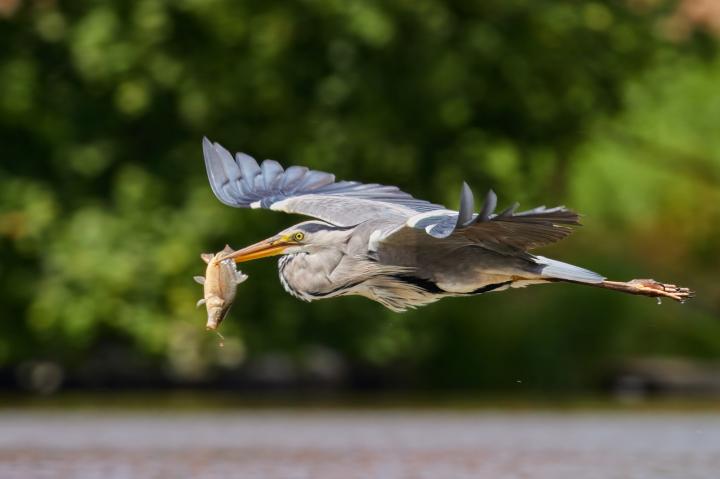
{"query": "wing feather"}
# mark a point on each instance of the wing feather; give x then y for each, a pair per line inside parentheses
(242, 183)
(506, 232)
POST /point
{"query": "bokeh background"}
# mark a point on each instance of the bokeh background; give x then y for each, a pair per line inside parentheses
(610, 107)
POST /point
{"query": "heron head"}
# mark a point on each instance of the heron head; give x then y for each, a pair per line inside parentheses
(305, 237)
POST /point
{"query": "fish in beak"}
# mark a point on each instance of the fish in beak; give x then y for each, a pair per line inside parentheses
(270, 247)
(219, 286)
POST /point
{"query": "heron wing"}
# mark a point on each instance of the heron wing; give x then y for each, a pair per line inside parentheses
(505, 232)
(243, 183)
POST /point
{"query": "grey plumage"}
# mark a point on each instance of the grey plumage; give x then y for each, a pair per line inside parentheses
(557, 269)
(242, 183)
(380, 242)
(467, 205)
(488, 207)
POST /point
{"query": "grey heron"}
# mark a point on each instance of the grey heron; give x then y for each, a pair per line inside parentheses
(379, 242)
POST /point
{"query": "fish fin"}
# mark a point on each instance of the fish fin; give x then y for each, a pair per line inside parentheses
(199, 279)
(239, 277)
(207, 257)
(200, 302)
(227, 249)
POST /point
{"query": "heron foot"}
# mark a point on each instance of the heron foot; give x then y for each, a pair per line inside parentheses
(652, 288)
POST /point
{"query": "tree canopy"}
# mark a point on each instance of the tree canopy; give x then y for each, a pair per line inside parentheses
(105, 207)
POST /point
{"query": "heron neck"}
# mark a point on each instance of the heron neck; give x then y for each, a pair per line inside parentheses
(310, 276)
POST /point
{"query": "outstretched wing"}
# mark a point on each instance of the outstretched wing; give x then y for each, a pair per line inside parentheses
(242, 183)
(505, 232)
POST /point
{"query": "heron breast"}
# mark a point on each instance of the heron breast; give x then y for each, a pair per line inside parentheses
(311, 276)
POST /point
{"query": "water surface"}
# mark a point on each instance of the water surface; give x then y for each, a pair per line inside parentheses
(287, 444)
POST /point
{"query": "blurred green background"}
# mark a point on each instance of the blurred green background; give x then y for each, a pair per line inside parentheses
(612, 108)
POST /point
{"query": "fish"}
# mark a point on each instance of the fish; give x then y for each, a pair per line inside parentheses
(219, 286)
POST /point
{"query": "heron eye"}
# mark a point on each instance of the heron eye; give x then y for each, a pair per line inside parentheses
(298, 236)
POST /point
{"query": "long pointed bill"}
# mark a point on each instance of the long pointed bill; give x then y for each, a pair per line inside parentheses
(269, 247)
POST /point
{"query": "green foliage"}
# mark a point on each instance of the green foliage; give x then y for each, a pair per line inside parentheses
(105, 208)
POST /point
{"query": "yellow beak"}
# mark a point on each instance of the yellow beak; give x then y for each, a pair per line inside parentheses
(269, 247)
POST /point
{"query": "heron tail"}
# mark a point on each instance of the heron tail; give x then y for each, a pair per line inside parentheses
(551, 268)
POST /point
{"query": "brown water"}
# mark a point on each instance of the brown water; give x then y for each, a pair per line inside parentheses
(288, 444)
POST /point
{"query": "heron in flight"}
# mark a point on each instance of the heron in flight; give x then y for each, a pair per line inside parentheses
(379, 242)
